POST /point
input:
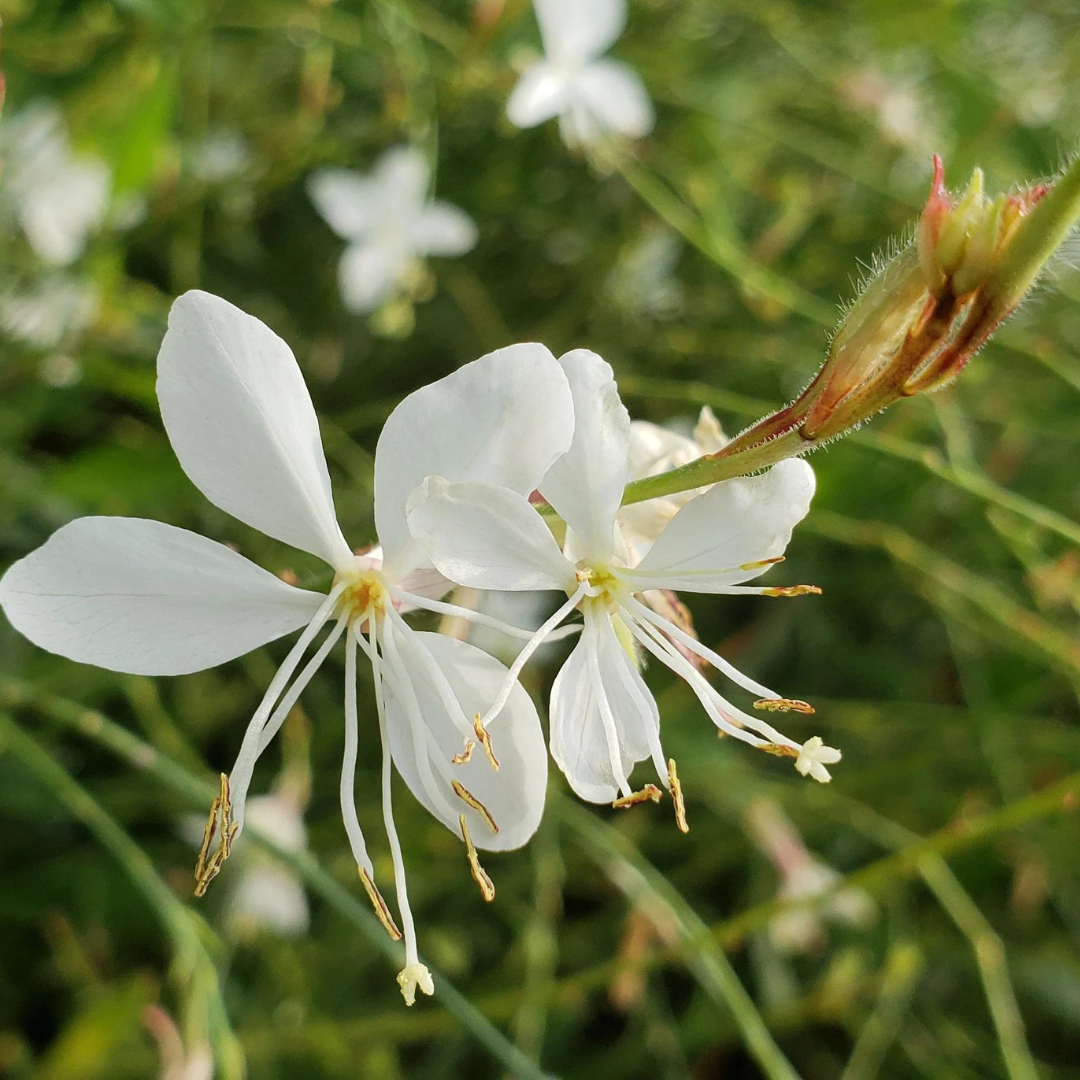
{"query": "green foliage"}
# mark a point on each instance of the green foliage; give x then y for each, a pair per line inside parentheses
(793, 140)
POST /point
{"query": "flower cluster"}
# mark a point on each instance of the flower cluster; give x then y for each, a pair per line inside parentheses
(470, 473)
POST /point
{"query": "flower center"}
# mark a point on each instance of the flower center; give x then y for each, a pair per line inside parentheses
(602, 580)
(365, 591)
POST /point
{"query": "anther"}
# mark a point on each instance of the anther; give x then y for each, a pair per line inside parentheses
(479, 874)
(793, 590)
(468, 797)
(783, 704)
(677, 797)
(649, 793)
(760, 564)
(485, 741)
(466, 755)
(779, 750)
(382, 912)
(207, 867)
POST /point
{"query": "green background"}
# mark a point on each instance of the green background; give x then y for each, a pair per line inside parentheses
(793, 141)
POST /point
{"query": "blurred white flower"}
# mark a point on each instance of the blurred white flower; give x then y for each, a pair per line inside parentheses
(590, 94)
(143, 597)
(643, 282)
(802, 877)
(389, 224)
(653, 450)
(56, 307)
(60, 197)
(220, 156)
(604, 718)
(177, 1061)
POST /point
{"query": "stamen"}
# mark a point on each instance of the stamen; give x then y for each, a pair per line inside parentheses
(760, 564)
(792, 590)
(347, 787)
(220, 820)
(647, 615)
(607, 717)
(485, 741)
(466, 755)
(677, 797)
(784, 704)
(382, 912)
(479, 874)
(470, 799)
(649, 793)
(780, 750)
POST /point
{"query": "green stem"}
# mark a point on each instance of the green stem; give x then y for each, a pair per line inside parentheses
(1039, 235)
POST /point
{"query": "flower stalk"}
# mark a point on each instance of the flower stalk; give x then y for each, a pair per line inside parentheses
(917, 323)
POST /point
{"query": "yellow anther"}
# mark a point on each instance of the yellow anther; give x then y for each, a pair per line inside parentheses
(760, 564)
(479, 874)
(382, 912)
(649, 793)
(207, 866)
(466, 755)
(783, 704)
(468, 797)
(677, 797)
(793, 590)
(779, 750)
(485, 741)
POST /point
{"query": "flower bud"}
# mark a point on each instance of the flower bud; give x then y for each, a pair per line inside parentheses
(918, 321)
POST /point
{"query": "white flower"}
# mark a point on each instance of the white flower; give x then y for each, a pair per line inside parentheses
(591, 95)
(389, 224)
(60, 198)
(603, 717)
(144, 597)
(57, 306)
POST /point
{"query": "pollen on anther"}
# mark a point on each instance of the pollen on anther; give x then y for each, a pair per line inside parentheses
(485, 741)
(784, 705)
(470, 799)
(649, 793)
(466, 755)
(382, 911)
(479, 874)
(792, 590)
(675, 787)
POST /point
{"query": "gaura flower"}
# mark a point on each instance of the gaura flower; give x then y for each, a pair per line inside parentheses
(590, 94)
(144, 597)
(60, 198)
(603, 718)
(389, 224)
(54, 308)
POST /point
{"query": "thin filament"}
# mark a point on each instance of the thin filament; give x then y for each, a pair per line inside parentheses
(522, 658)
(348, 763)
(695, 646)
(240, 777)
(411, 955)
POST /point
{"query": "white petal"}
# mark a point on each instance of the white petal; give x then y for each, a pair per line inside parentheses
(585, 485)
(579, 741)
(486, 537)
(64, 208)
(402, 175)
(442, 229)
(579, 29)
(540, 94)
(503, 419)
(347, 201)
(242, 424)
(615, 98)
(721, 538)
(514, 795)
(369, 274)
(147, 598)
